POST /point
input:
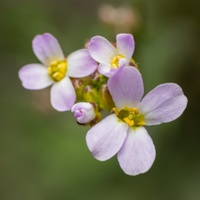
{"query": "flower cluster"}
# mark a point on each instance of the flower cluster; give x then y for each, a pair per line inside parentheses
(104, 76)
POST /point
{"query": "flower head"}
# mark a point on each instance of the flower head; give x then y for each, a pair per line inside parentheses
(122, 132)
(56, 70)
(109, 57)
(83, 112)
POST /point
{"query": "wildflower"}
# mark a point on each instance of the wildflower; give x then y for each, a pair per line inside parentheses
(109, 57)
(123, 132)
(56, 70)
(83, 112)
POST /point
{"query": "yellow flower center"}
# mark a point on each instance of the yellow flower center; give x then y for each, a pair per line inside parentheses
(115, 61)
(57, 69)
(131, 116)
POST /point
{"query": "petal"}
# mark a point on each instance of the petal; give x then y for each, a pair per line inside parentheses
(126, 87)
(80, 64)
(137, 153)
(47, 48)
(104, 69)
(107, 70)
(35, 77)
(123, 62)
(63, 95)
(163, 104)
(125, 45)
(101, 49)
(106, 138)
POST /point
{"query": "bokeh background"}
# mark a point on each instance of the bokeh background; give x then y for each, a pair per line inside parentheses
(43, 154)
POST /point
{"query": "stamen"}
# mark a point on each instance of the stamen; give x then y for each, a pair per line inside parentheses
(133, 110)
(115, 61)
(57, 70)
(131, 116)
(116, 111)
(141, 123)
(128, 121)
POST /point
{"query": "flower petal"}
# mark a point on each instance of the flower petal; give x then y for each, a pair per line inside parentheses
(163, 104)
(126, 87)
(80, 64)
(63, 95)
(107, 70)
(137, 153)
(123, 62)
(47, 48)
(101, 49)
(35, 77)
(125, 45)
(106, 138)
(104, 69)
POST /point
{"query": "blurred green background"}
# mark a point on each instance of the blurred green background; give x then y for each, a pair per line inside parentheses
(43, 154)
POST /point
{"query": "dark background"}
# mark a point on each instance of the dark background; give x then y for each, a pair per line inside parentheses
(43, 154)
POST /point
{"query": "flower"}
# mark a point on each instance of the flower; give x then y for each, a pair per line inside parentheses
(56, 70)
(122, 132)
(83, 112)
(109, 57)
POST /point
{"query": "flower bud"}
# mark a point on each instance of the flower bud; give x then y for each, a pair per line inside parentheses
(90, 94)
(83, 112)
(78, 86)
(105, 99)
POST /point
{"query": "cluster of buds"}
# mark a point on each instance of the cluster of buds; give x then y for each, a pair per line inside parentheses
(94, 90)
(105, 77)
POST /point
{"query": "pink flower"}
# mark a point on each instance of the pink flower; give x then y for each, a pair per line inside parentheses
(109, 57)
(123, 132)
(56, 70)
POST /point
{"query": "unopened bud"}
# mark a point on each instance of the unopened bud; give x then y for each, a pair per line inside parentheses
(78, 86)
(90, 94)
(83, 112)
(105, 99)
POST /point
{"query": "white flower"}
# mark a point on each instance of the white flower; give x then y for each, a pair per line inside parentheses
(56, 70)
(109, 57)
(122, 133)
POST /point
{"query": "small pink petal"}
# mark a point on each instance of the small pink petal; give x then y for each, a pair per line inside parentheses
(123, 62)
(63, 95)
(106, 138)
(101, 49)
(80, 64)
(126, 87)
(35, 77)
(137, 153)
(125, 45)
(105, 69)
(47, 48)
(163, 104)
